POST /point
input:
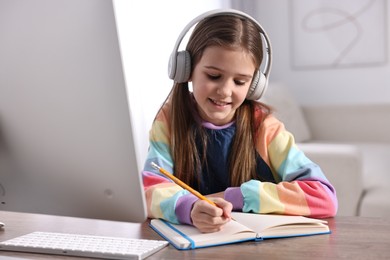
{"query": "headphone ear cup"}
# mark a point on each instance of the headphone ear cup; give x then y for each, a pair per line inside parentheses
(181, 70)
(258, 86)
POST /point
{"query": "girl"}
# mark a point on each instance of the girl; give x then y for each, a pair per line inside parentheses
(225, 145)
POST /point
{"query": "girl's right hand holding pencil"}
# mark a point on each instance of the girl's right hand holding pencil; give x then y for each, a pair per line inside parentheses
(209, 218)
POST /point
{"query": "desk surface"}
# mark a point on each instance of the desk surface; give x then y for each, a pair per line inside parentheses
(351, 238)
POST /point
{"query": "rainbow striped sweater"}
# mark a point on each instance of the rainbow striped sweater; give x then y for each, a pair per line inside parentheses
(299, 187)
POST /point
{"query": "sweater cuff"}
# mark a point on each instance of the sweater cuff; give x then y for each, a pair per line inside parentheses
(183, 208)
(234, 196)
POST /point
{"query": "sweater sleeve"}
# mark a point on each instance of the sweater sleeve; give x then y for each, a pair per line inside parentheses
(164, 198)
(301, 187)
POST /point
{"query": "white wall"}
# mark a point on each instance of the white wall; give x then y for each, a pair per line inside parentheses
(148, 30)
(349, 85)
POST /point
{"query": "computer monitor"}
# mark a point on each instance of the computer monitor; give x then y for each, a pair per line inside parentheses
(66, 134)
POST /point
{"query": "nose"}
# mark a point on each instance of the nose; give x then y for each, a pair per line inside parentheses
(225, 89)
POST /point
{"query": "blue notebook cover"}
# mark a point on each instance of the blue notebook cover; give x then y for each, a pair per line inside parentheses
(244, 227)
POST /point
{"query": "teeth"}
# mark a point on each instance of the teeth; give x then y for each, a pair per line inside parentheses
(219, 103)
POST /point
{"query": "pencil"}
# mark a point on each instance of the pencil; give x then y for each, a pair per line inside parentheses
(181, 184)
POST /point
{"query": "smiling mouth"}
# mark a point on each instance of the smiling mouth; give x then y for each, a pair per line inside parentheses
(219, 103)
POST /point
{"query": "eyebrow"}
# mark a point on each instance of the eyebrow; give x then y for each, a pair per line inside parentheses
(241, 75)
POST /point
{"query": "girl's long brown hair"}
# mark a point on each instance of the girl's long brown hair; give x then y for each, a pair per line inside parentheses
(228, 32)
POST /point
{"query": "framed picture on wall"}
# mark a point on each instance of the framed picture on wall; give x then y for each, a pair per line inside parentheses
(331, 34)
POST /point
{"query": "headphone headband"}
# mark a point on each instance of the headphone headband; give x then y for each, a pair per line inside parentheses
(184, 70)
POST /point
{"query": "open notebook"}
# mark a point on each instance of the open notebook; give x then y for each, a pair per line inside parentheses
(244, 227)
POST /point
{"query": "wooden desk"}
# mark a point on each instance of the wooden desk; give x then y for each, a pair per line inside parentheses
(351, 238)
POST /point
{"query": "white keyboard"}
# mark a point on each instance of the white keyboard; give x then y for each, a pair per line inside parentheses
(83, 245)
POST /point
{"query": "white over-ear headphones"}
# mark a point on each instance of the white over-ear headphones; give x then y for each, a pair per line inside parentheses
(179, 68)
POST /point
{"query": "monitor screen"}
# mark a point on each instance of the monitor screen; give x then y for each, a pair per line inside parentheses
(66, 135)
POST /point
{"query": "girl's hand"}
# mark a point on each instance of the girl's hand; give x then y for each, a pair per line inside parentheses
(209, 218)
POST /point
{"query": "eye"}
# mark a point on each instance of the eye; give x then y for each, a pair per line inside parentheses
(240, 82)
(213, 77)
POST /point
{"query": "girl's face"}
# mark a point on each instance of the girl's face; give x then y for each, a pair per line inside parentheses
(220, 83)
